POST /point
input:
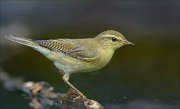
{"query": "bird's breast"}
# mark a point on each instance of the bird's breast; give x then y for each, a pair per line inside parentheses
(106, 56)
(98, 63)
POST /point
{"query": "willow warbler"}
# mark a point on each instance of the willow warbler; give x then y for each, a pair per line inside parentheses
(77, 55)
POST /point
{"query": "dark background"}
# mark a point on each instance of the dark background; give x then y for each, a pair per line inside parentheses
(146, 74)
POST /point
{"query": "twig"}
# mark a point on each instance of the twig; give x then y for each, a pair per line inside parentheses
(42, 96)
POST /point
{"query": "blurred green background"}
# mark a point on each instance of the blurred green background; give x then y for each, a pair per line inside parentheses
(148, 71)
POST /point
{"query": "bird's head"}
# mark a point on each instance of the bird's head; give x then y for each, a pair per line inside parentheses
(112, 39)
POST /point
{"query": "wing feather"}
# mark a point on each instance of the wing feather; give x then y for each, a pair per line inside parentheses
(69, 47)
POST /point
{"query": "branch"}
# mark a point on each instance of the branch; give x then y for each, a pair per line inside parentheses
(42, 96)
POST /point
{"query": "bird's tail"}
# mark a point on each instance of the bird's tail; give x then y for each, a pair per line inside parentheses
(23, 41)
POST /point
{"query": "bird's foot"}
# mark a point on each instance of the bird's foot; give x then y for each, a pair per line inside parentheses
(73, 96)
(78, 98)
(79, 95)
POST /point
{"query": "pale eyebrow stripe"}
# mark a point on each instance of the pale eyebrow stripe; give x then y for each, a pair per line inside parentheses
(109, 35)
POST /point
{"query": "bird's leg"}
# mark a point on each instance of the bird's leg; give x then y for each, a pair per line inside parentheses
(66, 78)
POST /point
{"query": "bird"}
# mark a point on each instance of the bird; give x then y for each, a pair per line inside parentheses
(77, 55)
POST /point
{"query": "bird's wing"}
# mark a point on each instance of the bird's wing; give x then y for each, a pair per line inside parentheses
(69, 47)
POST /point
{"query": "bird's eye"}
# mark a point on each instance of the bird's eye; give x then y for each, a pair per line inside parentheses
(114, 39)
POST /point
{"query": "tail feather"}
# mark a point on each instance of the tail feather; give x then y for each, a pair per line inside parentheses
(30, 43)
(24, 41)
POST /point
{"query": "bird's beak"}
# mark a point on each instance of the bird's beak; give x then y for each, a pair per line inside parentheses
(125, 42)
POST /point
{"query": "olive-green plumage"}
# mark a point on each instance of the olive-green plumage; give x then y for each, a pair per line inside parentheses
(77, 55)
